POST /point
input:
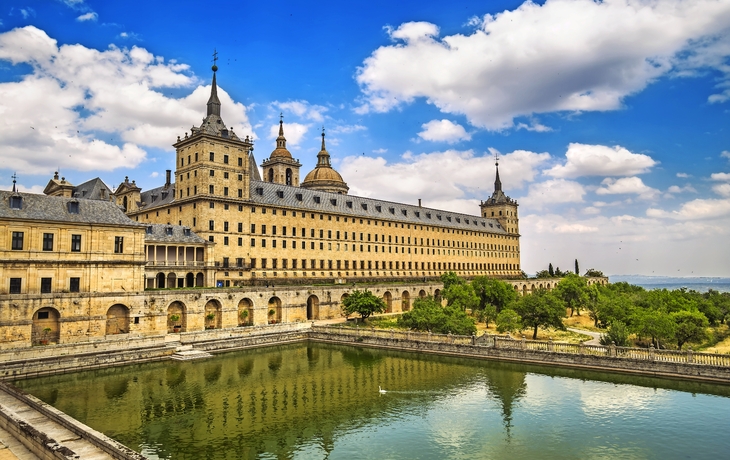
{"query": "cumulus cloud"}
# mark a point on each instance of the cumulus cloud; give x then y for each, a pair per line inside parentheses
(601, 160)
(380, 151)
(85, 109)
(720, 176)
(626, 185)
(725, 154)
(303, 109)
(347, 129)
(294, 132)
(443, 131)
(588, 55)
(90, 16)
(553, 191)
(676, 189)
(695, 209)
(722, 190)
(682, 175)
(451, 179)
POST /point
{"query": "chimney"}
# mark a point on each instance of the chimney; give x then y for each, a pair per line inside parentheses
(167, 178)
(419, 202)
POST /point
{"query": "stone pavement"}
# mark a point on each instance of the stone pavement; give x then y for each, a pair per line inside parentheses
(12, 449)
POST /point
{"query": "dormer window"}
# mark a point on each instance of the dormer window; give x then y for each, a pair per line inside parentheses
(317, 199)
(448, 218)
(148, 230)
(466, 221)
(405, 213)
(365, 206)
(491, 225)
(428, 215)
(379, 208)
(73, 207)
(260, 191)
(334, 202)
(392, 210)
(16, 202)
(299, 196)
(280, 193)
(458, 219)
(349, 204)
(438, 216)
(168, 231)
(164, 195)
(186, 231)
(418, 214)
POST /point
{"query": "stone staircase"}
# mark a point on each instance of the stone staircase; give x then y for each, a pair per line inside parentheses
(188, 353)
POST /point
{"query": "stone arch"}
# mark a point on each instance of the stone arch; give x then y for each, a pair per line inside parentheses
(213, 316)
(199, 280)
(388, 299)
(117, 319)
(171, 280)
(46, 326)
(312, 307)
(245, 319)
(160, 280)
(422, 294)
(271, 175)
(177, 317)
(288, 177)
(524, 289)
(273, 310)
(189, 280)
(405, 301)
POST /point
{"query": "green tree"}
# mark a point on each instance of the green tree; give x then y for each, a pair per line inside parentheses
(550, 269)
(593, 273)
(487, 314)
(460, 296)
(543, 274)
(509, 321)
(690, 326)
(493, 292)
(364, 303)
(617, 334)
(720, 303)
(428, 315)
(577, 270)
(450, 278)
(541, 309)
(655, 324)
(573, 290)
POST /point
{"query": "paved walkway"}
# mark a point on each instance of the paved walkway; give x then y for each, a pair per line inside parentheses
(596, 336)
(12, 449)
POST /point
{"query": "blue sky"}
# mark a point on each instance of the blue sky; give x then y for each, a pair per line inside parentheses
(611, 118)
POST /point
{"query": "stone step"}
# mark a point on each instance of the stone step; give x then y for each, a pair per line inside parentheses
(189, 355)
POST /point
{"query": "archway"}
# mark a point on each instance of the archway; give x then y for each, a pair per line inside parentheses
(273, 310)
(422, 294)
(46, 326)
(160, 280)
(171, 280)
(405, 301)
(199, 280)
(245, 313)
(177, 317)
(388, 299)
(213, 317)
(189, 280)
(117, 320)
(312, 307)
(524, 289)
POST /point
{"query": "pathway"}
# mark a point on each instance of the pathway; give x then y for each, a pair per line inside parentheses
(596, 336)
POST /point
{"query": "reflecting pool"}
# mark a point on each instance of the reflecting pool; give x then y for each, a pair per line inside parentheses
(321, 401)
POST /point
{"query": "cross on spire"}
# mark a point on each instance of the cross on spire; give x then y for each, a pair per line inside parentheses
(14, 176)
(215, 56)
(496, 158)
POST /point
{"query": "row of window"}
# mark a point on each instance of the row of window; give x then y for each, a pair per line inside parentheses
(16, 285)
(18, 242)
(211, 191)
(211, 157)
(295, 264)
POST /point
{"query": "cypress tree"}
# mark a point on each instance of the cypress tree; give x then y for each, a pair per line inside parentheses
(550, 269)
(577, 270)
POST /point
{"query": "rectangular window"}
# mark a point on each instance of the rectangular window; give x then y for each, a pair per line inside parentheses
(263, 263)
(118, 244)
(253, 263)
(17, 241)
(212, 173)
(240, 227)
(225, 159)
(225, 226)
(253, 228)
(240, 241)
(225, 191)
(46, 285)
(211, 225)
(253, 242)
(74, 284)
(15, 284)
(225, 241)
(263, 229)
(212, 156)
(75, 243)
(211, 189)
(240, 193)
(48, 241)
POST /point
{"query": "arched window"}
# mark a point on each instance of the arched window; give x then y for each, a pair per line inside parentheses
(271, 175)
(288, 176)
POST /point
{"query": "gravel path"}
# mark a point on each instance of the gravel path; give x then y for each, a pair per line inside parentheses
(596, 336)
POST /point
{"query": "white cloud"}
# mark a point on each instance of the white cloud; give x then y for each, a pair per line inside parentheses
(601, 160)
(303, 109)
(675, 189)
(347, 129)
(154, 174)
(695, 209)
(580, 55)
(90, 16)
(443, 131)
(552, 192)
(682, 175)
(84, 109)
(720, 176)
(725, 154)
(294, 132)
(380, 151)
(591, 210)
(130, 36)
(626, 185)
(444, 180)
(722, 190)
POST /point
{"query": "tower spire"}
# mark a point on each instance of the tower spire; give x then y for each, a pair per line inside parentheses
(281, 140)
(497, 182)
(14, 176)
(323, 157)
(214, 104)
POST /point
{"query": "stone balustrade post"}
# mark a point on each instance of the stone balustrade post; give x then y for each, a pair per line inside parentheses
(651, 352)
(612, 350)
(496, 340)
(551, 347)
(582, 348)
(429, 336)
(473, 339)
(523, 341)
(690, 355)
(392, 333)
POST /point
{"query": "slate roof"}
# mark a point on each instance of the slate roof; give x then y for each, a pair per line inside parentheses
(157, 196)
(91, 190)
(56, 209)
(272, 194)
(157, 233)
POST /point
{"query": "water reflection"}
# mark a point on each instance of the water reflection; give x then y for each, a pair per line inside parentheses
(312, 400)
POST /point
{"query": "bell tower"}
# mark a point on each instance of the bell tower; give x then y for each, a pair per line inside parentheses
(280, 167)
(501, 207)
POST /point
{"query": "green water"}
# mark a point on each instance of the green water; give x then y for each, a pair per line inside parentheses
(320, 401)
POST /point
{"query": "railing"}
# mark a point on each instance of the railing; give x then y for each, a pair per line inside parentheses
(508, 343)
(173, 263)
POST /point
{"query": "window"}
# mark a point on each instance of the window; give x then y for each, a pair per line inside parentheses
(211, 225)
(253, 242)
(15, 284)
(212, 173)
(225, 241)
(73, 207)
(45, 285)
(168, 231)
(73, 285)
(75, 243)
(16, 202)
(316, 199)
(118, 244)
(212, 156)
(48, 241)
(225, 226)
(17, 241)
(240, 193)
(211, 189)
(225, 191)
(225, 159)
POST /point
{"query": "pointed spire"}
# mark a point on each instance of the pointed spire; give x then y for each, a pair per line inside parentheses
(497, 182)
(281, 140)
(323, 157)
(15, 176)
(214, 104)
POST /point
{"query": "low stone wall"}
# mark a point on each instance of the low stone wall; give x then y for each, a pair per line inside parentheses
(683, 365)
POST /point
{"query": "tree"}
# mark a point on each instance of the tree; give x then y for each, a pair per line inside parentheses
(428, 315)
(690, 327)
(493, 292)
(460, 296)
(550, 269)
(364, 303)
(573, 290)
(450, 278)
(541, 309)
(655, 324)
(593, 273)
(617, 334)
(509, 321)
(543, 274)
(577, 270)
(487, 314)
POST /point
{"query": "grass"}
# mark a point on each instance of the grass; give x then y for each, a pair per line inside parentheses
(717, 342)
(582, 322)
(542, 334)
(378, 322)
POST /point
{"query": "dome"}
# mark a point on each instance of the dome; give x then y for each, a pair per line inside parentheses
(324, 174)
(280, 151)
(323, 177)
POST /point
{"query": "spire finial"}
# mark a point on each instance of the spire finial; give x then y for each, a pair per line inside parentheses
(214, 104)
(323, 148)
(215, 60)
(14, 176)
(497, 182)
